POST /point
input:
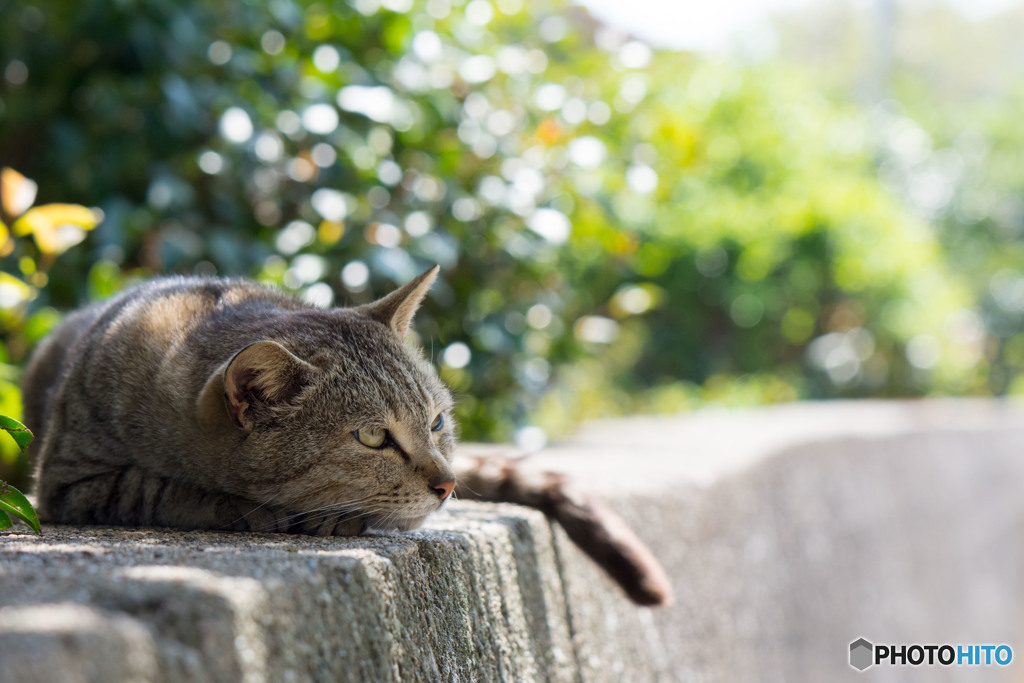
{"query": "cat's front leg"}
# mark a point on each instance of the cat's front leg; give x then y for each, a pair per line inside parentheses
(131, 496)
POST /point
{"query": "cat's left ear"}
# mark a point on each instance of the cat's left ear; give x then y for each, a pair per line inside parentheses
(263, 372)
(397, 308)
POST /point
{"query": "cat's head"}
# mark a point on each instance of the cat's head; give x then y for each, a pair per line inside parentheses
(333, 413)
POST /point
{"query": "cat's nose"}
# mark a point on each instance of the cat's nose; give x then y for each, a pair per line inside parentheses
(443, 488)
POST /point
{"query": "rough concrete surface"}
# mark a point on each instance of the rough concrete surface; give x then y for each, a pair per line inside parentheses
(788, 532)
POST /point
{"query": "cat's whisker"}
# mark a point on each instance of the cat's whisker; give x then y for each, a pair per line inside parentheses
(324, 511)
(469, 488)
(246, 515)
(389, 518)
(320, 513)
(313, 518)
(366, 512)
(358, 505)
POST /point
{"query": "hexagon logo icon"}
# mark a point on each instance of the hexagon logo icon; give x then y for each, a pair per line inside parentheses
(861, 654)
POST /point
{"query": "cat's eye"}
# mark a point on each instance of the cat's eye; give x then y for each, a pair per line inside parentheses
(438, 423)
(373, 437)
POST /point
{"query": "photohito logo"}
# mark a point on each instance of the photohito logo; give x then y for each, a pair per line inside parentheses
(863, 654)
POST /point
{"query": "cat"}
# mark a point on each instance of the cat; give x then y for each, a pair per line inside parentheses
(208, 403)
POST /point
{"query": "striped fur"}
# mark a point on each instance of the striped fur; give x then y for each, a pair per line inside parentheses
(131, 399)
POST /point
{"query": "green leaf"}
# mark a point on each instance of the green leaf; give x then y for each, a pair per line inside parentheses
(21, 434)
(5, 521)
(14, 502)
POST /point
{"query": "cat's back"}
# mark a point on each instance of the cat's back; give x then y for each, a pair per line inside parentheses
(118, 354)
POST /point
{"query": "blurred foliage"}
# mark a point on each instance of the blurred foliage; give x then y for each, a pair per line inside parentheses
(53, 229)
(947, 141)
(619, 229)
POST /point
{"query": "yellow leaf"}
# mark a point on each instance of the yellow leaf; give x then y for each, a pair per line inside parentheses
(56, 215)
(16, 192)
(57, 227)
(6, 243)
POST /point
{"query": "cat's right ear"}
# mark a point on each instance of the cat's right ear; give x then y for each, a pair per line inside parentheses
(397, 308)
(264, 373)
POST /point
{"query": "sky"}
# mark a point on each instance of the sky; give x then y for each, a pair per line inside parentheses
(718, 25)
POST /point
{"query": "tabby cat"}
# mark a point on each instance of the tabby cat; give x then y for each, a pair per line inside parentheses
(221, 404)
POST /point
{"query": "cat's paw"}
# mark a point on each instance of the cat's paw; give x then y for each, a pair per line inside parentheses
(352, 526)
(259, 519)
(329, 525)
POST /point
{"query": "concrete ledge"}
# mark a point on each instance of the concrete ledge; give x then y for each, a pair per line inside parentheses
(477, 595)
(788, 532)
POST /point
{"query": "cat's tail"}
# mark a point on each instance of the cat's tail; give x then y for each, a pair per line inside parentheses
(588, 521)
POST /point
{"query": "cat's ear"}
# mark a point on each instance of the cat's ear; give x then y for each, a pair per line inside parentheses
(263, 372)
(397, 308)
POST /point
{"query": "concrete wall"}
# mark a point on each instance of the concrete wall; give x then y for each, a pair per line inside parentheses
(788, 532)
